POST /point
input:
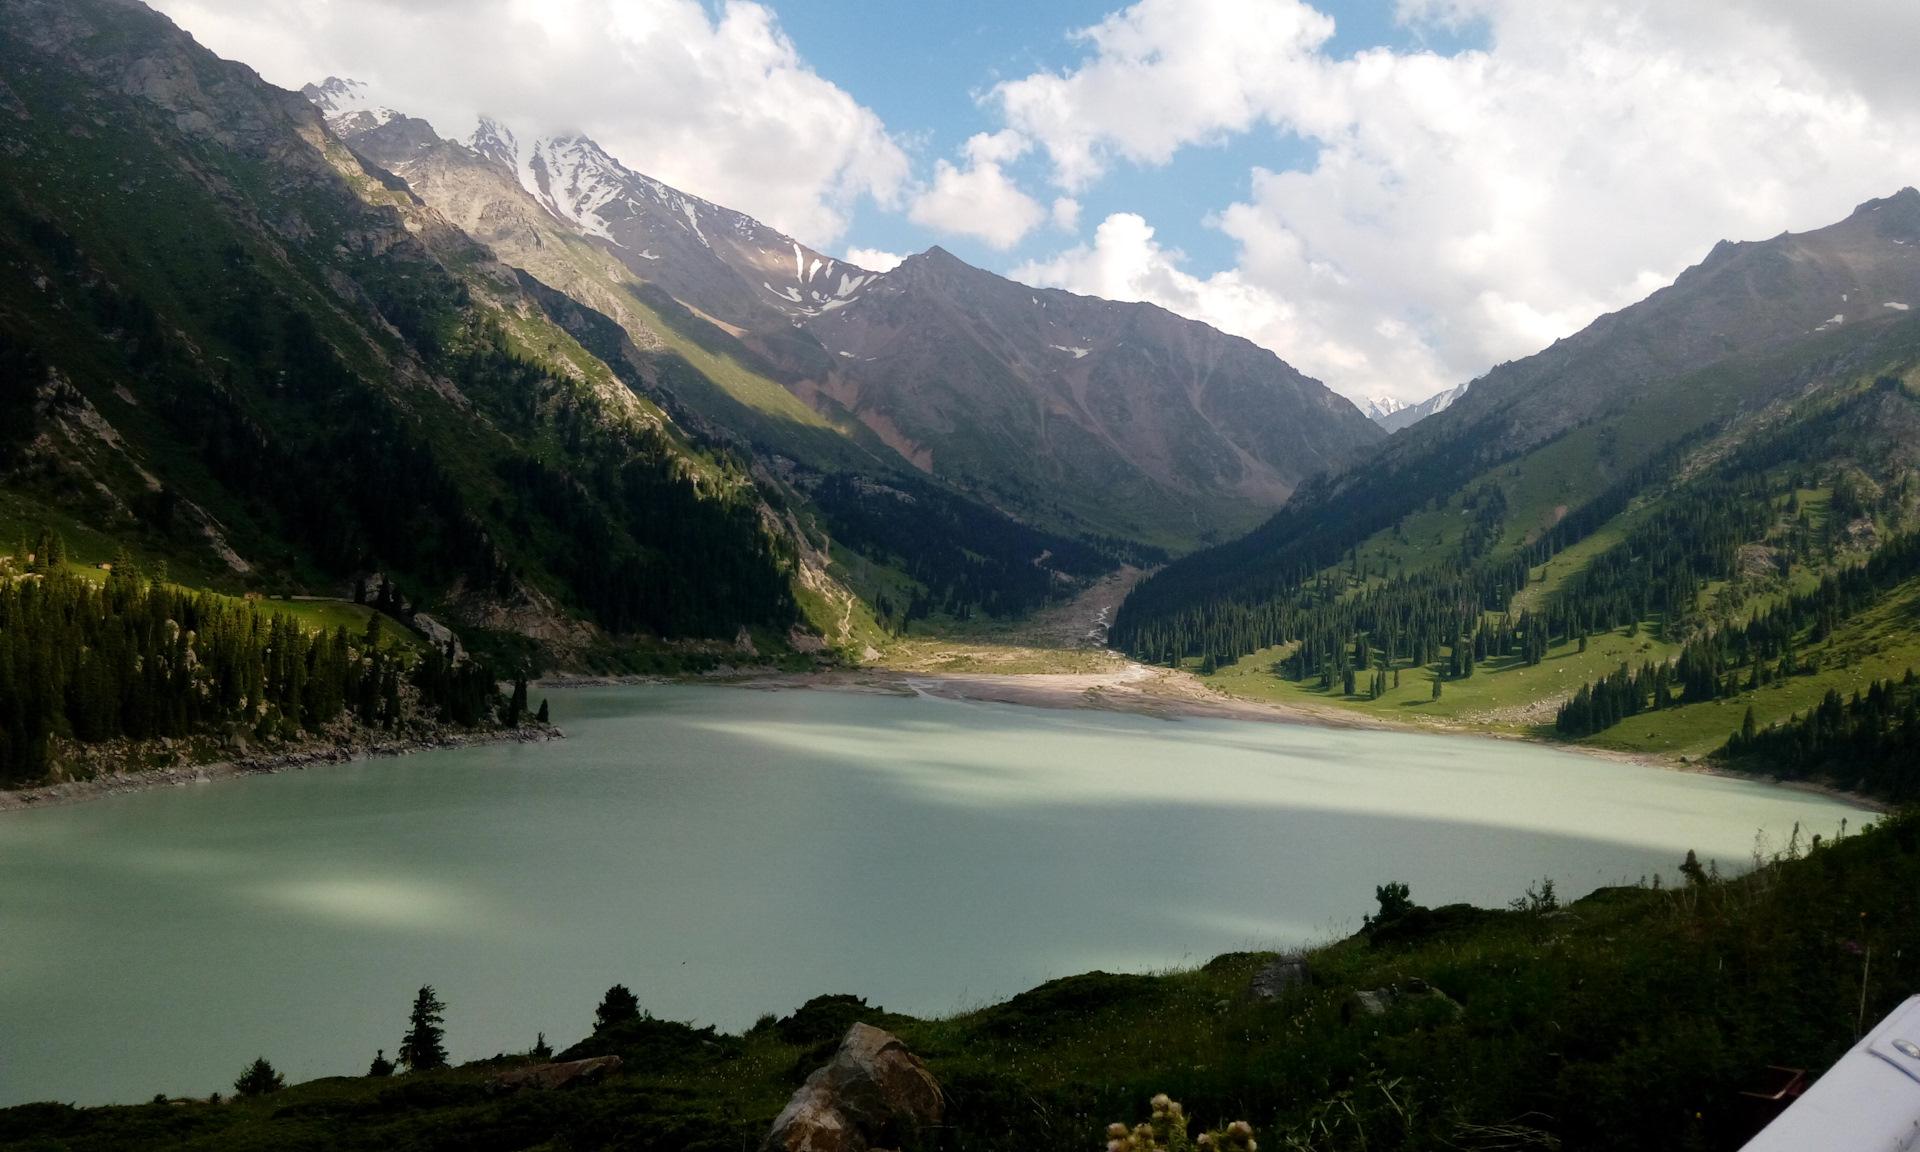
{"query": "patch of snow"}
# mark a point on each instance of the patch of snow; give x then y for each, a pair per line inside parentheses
(799, 261)
(1895, 304)
(813, 268)
(848, 355)
(1077, 352)
(647, 255)
(693, 221)
(1838, 318)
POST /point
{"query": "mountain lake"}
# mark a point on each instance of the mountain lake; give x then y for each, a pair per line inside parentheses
(727, 853)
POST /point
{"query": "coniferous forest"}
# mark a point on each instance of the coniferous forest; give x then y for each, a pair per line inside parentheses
(140, 659)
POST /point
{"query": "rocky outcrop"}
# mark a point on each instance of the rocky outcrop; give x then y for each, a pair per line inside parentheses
(1380, 1001)
(873, 1090)
(547, 1077)
(1279, 978)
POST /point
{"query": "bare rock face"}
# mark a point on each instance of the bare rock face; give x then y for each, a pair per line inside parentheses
(1279, 978)
(871, 1084)
(547, 1077)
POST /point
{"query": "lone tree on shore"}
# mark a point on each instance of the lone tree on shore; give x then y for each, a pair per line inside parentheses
(617, 1006)
(259, 1079)
(421, 1049)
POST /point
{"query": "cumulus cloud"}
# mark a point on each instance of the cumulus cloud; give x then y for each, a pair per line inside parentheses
(1066, 214)
(1466, 210)
(981, 200)
(873, 259)
(720, 105)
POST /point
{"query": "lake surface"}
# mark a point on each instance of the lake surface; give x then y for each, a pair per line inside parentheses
(727, 853)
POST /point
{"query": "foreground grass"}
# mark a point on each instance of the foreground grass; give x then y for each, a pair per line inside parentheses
(1630, 1020)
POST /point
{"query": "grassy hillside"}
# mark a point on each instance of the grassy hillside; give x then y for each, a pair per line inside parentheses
(1629, 1019)
(1656, 536)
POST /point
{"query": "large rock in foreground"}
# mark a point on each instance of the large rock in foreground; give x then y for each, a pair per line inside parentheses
(871, 1089)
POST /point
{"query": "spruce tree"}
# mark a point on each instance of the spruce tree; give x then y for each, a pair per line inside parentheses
(381, 1066)
(541, 716)
(259, 1079)
(617, 1006)
(421, 1049)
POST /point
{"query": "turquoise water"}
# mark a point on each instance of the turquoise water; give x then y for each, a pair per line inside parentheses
(727, 852)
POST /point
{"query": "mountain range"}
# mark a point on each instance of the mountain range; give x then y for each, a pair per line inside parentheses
(289, 343)
(1086, 417)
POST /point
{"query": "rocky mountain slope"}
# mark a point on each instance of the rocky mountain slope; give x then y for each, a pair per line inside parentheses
(1121, 419)
(1097, 420)
(230, 344)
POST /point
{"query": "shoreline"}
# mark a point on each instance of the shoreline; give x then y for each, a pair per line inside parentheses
(1132, 688)
(293, 760)
(1141, 690)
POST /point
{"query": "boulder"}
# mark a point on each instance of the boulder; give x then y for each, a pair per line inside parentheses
(547, 1077)
(1279, 978)
(1379, 1001)
(871, 1089)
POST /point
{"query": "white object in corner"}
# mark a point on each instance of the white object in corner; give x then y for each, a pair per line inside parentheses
(1867, 1102)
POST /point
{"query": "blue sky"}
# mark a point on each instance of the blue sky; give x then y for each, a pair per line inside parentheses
(1431, 188)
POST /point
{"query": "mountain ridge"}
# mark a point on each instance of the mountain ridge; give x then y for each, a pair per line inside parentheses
(1051, 453)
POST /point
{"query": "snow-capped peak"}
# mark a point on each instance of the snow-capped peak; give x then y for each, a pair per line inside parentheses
(1394, 415)
(496, 141)
(341, 100)
(1381, 407)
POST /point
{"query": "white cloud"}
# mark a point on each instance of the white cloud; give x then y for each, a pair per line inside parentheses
(981, 200)
(873, 259)
(1066, 214)
(721, 106)
(1470, 209)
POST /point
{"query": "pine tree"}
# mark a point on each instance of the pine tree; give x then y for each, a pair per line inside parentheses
(541, 716)
(1436, 687)
(1692, 869)
(421, 1049)
(517, 705)
(617, 1006)
(259, 1079)
(381, 1066)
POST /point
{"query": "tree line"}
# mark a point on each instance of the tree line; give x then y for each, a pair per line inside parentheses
(139, 658)
(1870, 743)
